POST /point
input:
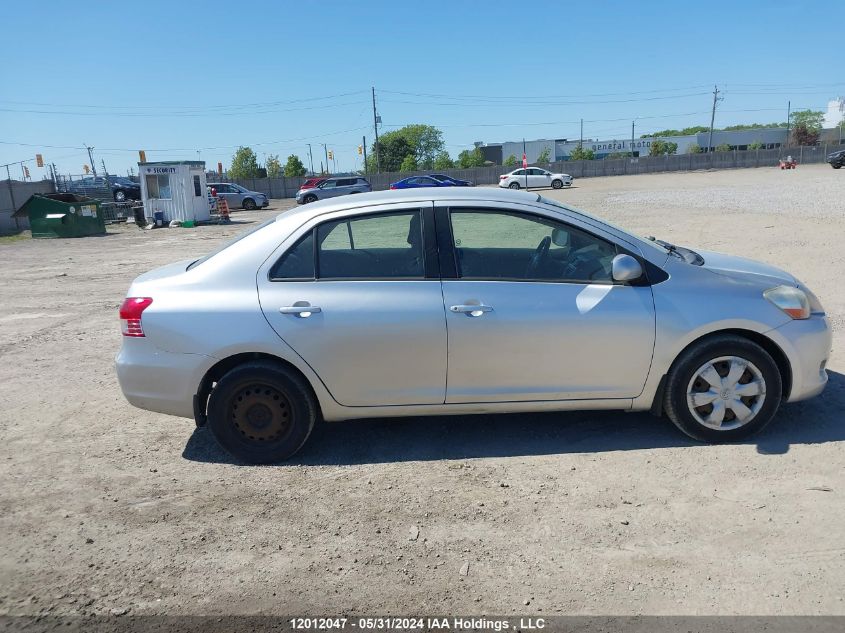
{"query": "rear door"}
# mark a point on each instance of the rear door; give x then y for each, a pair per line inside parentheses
(532, 312)
(358, 298)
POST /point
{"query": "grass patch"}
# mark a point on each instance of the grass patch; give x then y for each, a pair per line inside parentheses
(8, 239)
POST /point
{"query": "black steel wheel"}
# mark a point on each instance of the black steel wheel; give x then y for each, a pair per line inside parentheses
(261, 412)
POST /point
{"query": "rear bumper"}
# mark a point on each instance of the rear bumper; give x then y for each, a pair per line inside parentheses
(159, 381)
(807, 345)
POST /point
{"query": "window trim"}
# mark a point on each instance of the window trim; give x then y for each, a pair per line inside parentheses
(431, 270)
(446, 241)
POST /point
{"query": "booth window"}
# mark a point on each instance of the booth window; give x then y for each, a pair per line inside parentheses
(158, 186)
(197, 189)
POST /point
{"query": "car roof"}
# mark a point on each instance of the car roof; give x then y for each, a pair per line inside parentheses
(433, 194)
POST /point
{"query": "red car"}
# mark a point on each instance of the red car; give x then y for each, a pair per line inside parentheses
(311, 183)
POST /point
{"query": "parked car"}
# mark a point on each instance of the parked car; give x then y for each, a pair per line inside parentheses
(89, 185)
(312, 182)
(238, 197)
(413, 182)
(837, 159)
(534, 177)
(124, 189)
(456, 181)
(333, 187)
(340, 310)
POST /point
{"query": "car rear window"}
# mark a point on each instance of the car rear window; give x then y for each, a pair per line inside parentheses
(226, 245)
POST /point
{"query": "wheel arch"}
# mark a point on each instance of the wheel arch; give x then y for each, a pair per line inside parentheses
(772, 348)
(221, 367)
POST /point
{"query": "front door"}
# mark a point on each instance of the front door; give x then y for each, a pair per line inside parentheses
(366, 313)
(534, 314)
(539, 177)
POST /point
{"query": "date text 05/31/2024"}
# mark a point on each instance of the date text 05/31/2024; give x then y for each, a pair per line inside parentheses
(421, 623)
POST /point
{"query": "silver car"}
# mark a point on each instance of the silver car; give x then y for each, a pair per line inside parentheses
(456, 301)
(238, 197)
(333, 187)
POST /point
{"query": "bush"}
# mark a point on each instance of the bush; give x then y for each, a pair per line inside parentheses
(579, 153)
(724, 147)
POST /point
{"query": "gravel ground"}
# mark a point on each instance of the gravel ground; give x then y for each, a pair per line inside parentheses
(103, 506)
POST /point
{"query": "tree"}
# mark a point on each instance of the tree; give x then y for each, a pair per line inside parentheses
(409, 163)
(756, 145)
(617, 155)
(659, 148)
(695, 148)
(807, 126)
(294, 166)
(510, 161)
(467, 159)
(545, 155)
(274, 167)
(443, 161)
(426, 142)
(244, 164)
(723, 147)
(579, 153)
(392, 148)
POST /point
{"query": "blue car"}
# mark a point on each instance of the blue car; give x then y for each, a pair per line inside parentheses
(434, 180)
(414, 182)
(456, 182)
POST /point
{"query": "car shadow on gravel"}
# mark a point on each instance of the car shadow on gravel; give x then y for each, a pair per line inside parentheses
(385, 440)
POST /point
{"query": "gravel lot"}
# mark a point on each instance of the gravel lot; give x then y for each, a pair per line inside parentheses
(103, 506)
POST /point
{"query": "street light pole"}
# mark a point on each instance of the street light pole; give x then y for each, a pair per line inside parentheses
(311, 159)
(375, 129)
(326, 150)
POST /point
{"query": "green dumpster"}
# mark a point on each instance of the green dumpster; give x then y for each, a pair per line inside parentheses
(63, 215)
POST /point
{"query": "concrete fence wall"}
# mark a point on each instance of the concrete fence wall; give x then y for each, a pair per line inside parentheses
(13, 194)
(287, 187)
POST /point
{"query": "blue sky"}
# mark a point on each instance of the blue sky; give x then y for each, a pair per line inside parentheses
(176, 77)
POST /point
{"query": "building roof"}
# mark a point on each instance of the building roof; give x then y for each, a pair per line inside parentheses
(192, 163)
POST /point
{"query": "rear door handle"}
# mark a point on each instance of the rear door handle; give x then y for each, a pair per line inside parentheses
(300, 310)
(471, 310)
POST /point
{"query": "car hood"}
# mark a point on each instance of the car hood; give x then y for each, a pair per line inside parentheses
(309, 190)
(745, 269)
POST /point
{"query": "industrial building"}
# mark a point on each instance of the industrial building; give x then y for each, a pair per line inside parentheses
(561, 149)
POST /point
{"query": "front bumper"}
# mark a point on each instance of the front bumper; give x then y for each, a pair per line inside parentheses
(807, 345)
(155, 380)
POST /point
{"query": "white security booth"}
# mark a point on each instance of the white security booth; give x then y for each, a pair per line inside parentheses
(176, 189)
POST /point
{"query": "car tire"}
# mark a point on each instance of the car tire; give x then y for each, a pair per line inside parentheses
(836, 166)
(120, 196)
(248, 204)
(557, 184)
(685, 379)
(513, 185)
(261, 413)
(309, 198)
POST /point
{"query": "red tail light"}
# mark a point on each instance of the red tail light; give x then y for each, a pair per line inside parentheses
(503, 177)
(130, 315)
(392, 187)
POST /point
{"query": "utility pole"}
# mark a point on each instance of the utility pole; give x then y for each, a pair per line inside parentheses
(364, 141)
(713, 118)
(632, 138)
(789, 114)
(326, 151)
(91, 160)
(375, 129)
(311, 159)
(581, 142)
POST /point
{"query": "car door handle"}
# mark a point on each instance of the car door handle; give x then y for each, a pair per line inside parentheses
(471, 310)
(300, 311)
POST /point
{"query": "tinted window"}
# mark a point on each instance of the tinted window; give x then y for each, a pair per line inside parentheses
(380, 246)
(518, 172)
(297, 262)
(345, 182)
(363, 181)
(197, 186)
(502, 245)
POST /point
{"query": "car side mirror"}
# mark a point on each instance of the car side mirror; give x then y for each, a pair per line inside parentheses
(626, 268)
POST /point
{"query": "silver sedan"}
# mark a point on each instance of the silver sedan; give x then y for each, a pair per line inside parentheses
(457, 301)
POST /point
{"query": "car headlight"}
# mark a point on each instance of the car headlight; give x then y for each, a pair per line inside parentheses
(791, 300)
(816, 306)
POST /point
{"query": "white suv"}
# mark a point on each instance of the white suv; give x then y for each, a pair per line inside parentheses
(534, 177)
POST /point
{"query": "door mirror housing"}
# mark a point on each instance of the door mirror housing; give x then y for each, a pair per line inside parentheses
(626, 268)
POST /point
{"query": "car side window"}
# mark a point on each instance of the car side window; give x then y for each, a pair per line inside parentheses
(297, 262)
(328, 184)
(523, 247)
(382, 246)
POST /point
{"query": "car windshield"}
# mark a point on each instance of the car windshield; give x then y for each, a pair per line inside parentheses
(226, 245)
